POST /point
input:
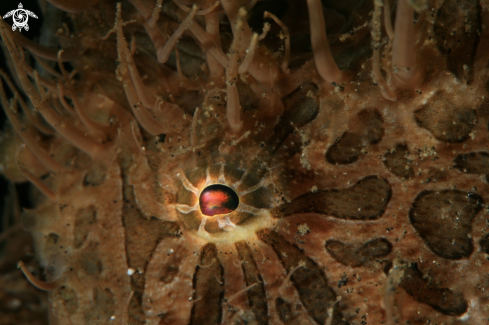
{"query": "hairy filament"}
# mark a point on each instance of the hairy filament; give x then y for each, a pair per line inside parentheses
(140, 112)
(47, 67)
(207, 266)
(203, 12)
(231, 7)
(41, 285)
(146, 99)
(140, 147)
(239, 293)
(248, 208)
(329, 320)
(40, 51)
(325, 63)
(266, 29)
(212, 29)
(33, 179)
(133, 45)
(145, 11)
(193, 129)
(238, 182)
(287, 279)
(208, 44)
(252, 188)
(387, 17)
(113, 30)
(163, 53)
(221, 178)
(25, 135)
(385, 90)
(179, 65)
(235, 15)
(61, 96)
(31, 117)
(417, 28)
(225, 149)
(392, 282)
(233, 108)
(285, 62)
(81, 114)
(187, 185)
(40, 88)
(31, 72)
(201, 231)
(185, 209)
(156, 13)
(69, 132)
(403, 47)
(156, 36)
(250, 54)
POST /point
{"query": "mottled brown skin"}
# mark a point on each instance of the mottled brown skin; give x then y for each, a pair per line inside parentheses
(354, 209)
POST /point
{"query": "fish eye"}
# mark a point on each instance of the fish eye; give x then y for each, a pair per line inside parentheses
(218, 199)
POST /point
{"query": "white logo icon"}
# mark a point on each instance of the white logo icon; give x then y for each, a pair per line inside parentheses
(20, 17)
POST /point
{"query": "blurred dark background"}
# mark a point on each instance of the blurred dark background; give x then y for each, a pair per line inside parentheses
(33, 34)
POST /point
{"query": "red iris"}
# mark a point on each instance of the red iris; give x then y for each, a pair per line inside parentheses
(218, 199)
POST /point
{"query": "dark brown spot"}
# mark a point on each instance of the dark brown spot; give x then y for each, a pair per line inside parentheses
(446, 121)
(84, 219)
(95, 176)
(484, 243)
(102, 309)
(366, 128)
(311, 283)
(51, 244)
(256, 295)
(247, 97)
(366, 200)
(160, 138)
(301, 107)
(444, 300)
(444, 221)
(473, 163)
(354, 256)
(209, 289)
(397, 162)
(69, 297)
(457, 32)
(168, 273)
(90, 262)
(286, 312)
